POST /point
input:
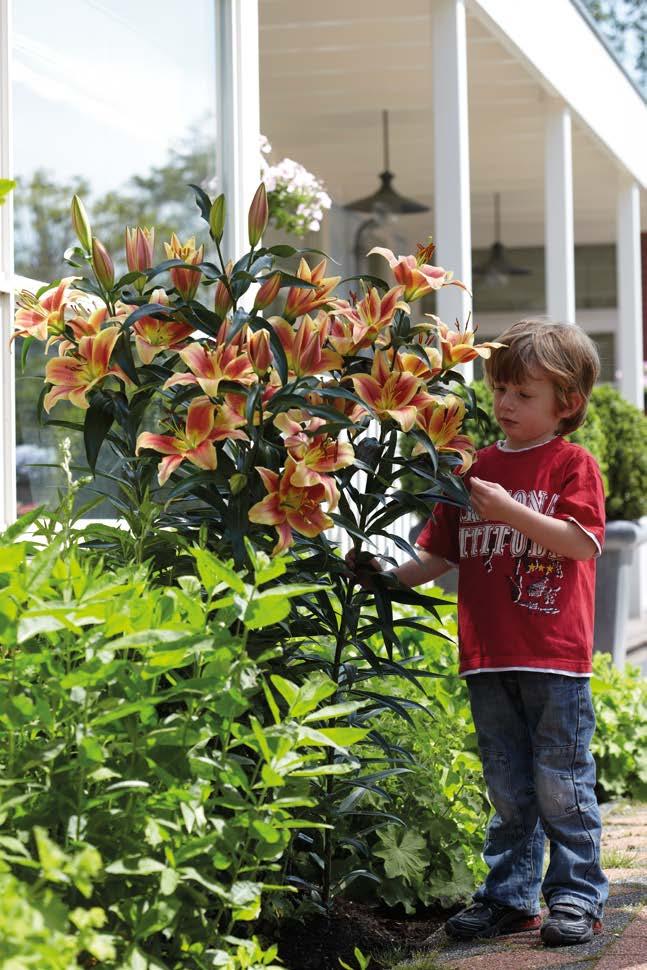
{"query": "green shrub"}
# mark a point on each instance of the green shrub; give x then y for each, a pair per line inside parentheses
(625, 437)
(620, 741)
(137, 733)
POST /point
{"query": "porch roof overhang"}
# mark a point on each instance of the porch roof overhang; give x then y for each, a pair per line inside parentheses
(326, 74)
(562, 48)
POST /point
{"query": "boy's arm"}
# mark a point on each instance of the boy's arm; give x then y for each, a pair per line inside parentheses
(491, 501)
(412, 573)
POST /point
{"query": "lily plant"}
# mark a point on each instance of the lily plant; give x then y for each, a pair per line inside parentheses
(257, 400)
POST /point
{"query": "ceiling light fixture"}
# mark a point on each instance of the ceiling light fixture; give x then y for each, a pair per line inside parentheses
(497, 269)
(386, 199)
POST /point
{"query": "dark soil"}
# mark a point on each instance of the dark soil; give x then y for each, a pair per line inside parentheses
(317, 943)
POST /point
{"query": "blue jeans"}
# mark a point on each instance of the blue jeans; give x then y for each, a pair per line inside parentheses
(534, 731)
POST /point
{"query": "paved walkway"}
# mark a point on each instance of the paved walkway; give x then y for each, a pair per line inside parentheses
(622, 945)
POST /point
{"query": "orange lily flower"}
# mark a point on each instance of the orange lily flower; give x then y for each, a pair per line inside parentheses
(73, 376)
(368, 318)
(210, 364)
(195, 442)
(304, 347)
(302, 301)
(393, 394)
(185, 281)
(416, 276)
(288, 507)
(457, 346)
(410, 363)
(44, 317)
(441, 419)
(87, 324)
(315, 455)
(152, 336)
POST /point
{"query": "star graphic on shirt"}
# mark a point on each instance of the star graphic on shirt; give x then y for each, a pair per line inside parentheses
(541, 567)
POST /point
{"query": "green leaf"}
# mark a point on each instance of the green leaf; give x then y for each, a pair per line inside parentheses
(404, 853)
(98, 421)
(266, 609)
(213, 572)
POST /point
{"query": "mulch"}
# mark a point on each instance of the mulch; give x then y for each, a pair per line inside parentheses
(317, 943)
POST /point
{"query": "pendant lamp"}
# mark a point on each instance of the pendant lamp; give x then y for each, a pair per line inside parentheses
(386, 199)
(496, 269)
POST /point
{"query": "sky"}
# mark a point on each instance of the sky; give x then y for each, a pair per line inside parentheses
(105, 89)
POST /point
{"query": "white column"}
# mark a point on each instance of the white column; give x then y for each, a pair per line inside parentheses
(451, 155)
(238, 116)
(558, 175)
(7, 384)
(629, 355)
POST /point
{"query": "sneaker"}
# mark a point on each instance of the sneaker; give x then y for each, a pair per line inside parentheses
(487, 919)
(568, 925)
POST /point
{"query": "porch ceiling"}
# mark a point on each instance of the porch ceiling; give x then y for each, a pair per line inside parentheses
(328, 70)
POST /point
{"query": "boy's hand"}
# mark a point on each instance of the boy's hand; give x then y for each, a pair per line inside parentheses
(363, 568)
(490, 500)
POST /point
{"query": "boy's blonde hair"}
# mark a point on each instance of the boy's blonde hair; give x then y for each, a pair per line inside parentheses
(562, 352)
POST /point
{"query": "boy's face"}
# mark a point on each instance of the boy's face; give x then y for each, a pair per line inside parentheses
(528, 413)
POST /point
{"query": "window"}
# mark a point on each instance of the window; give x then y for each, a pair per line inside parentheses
(115, 101)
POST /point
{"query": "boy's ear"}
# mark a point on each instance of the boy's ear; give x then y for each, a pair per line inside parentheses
(574, 402)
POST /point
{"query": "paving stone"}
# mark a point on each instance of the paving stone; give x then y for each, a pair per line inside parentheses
(622, 945)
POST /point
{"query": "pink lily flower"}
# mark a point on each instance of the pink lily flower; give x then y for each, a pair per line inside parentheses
(304, 346)
(73, 376)
(417, 276)
(288, 507)
(44, 317)
(300, 301)
(194, 443)
(368, 318)
(457, 346)
(210, 364)
(391, 394)
(152, 336)
(441, 420)
(316, 456)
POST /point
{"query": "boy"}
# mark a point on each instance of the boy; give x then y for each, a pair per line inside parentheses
(526, 553)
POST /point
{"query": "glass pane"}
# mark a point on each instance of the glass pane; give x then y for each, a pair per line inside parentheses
(114, 101)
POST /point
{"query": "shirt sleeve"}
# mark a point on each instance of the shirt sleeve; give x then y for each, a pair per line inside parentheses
(581, 499)
(440, 533)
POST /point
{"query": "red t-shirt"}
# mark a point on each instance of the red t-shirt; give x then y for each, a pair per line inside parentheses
(519, 606)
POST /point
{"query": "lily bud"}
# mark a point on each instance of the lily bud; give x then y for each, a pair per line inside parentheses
(139, 248)
(268, 291)
(217, 218)
(81, 223)
(104, 269)
(237, 483)
(259, 351)
(222, 301)
(258, 215)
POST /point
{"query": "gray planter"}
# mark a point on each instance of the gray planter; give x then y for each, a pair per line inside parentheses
(612, 586)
